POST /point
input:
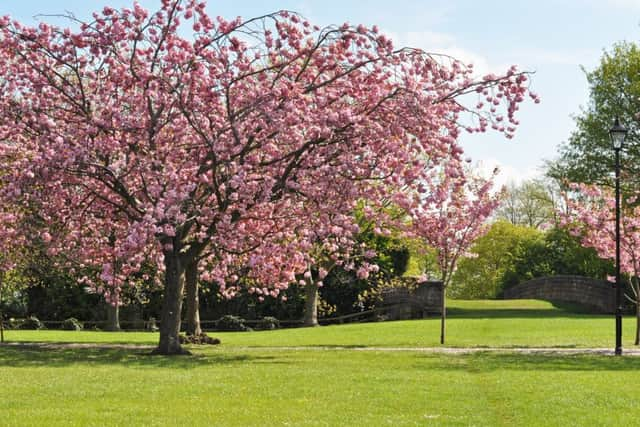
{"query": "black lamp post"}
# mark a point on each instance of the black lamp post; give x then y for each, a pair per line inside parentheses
(617, 134)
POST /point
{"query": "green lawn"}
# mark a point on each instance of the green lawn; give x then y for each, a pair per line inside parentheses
(245, 383)
(515, 323)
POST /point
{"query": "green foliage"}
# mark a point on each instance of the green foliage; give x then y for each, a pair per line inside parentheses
(399, 259)
(231, 323)
(532, 203)
(614, 92)
(248, 306)
(423, 259)
(341, 289)
(557, 253)
(71, 324)
(268, 323)
(492, 323)
(32, 323)
(481, 275)
(58, 297)
(509, 255)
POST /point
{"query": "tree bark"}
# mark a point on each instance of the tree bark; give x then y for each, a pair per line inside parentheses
(443, 315)
(113, 317)
(637, 292)
(637, 322)
(193, 304)
(171, 314)
(1, 315)
(311, 305)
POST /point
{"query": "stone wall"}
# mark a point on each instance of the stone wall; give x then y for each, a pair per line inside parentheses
(414, 300)
(597, 295)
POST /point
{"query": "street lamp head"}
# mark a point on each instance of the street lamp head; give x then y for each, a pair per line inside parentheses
(617, 134)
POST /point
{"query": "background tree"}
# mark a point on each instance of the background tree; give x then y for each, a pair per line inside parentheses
(614, 91)
(480, 275)
(532, 203)
(557, 252)
(508, 255)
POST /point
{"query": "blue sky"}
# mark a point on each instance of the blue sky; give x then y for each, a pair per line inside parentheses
(552, 38)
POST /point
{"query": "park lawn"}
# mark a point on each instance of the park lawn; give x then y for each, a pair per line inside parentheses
(329, 380)
(335, 387)
(499, 323)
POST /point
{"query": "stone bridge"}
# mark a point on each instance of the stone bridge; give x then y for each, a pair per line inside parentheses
(596, 295)
(414, 300)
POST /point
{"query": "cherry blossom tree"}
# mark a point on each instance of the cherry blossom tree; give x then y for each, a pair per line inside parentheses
(590, 215)
(450, 219)
(193, 136)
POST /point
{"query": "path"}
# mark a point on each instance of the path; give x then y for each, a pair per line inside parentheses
(435, 350)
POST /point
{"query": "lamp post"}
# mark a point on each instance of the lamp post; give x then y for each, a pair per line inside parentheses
(618, 134)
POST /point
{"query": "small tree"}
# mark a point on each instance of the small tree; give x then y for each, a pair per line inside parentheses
(450, 221)
(591, 216)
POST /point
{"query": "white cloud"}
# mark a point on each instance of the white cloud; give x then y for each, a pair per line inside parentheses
(533, 57)
(622, 4)
(507, 174)
(445, 44)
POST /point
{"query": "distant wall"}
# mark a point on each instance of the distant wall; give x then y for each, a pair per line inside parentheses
(414, 300)
(598, 295)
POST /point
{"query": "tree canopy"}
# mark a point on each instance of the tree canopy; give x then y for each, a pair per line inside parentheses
(185, 138)
(614, 91)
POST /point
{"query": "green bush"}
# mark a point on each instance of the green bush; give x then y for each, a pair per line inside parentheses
(268, 323)
(13, 323)
(72, 324)
(32, 323)
(231, 323)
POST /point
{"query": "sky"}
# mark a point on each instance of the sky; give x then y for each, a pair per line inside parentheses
(552, 38)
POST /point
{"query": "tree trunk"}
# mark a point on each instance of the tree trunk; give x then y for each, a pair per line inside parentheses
(1, 315)
(113, 317)
(637, 313)
(311, 305)
(193, 305)
(171, 314)
(637, 321)
(443, 315)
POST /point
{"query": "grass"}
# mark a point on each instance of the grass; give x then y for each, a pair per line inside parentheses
(244, 382)
(514, 323)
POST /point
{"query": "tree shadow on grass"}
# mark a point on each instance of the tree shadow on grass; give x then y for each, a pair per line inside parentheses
(30, 355)
(516, 313)
(484, 362)
(560, 309)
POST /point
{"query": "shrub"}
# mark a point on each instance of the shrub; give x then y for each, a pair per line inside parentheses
(231, 323)
(268, 323)
(151, 325)
(72, 324)
(198, 339)
(31, 322)
(13, 323)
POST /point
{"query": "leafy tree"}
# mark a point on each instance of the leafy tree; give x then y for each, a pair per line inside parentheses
(175, 138)
(614, 92)
(451, 221)
(591, 218)
(481, 274)
(533, 204)
(558, 252)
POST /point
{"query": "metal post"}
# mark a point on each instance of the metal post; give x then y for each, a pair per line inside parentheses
(618, 350)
